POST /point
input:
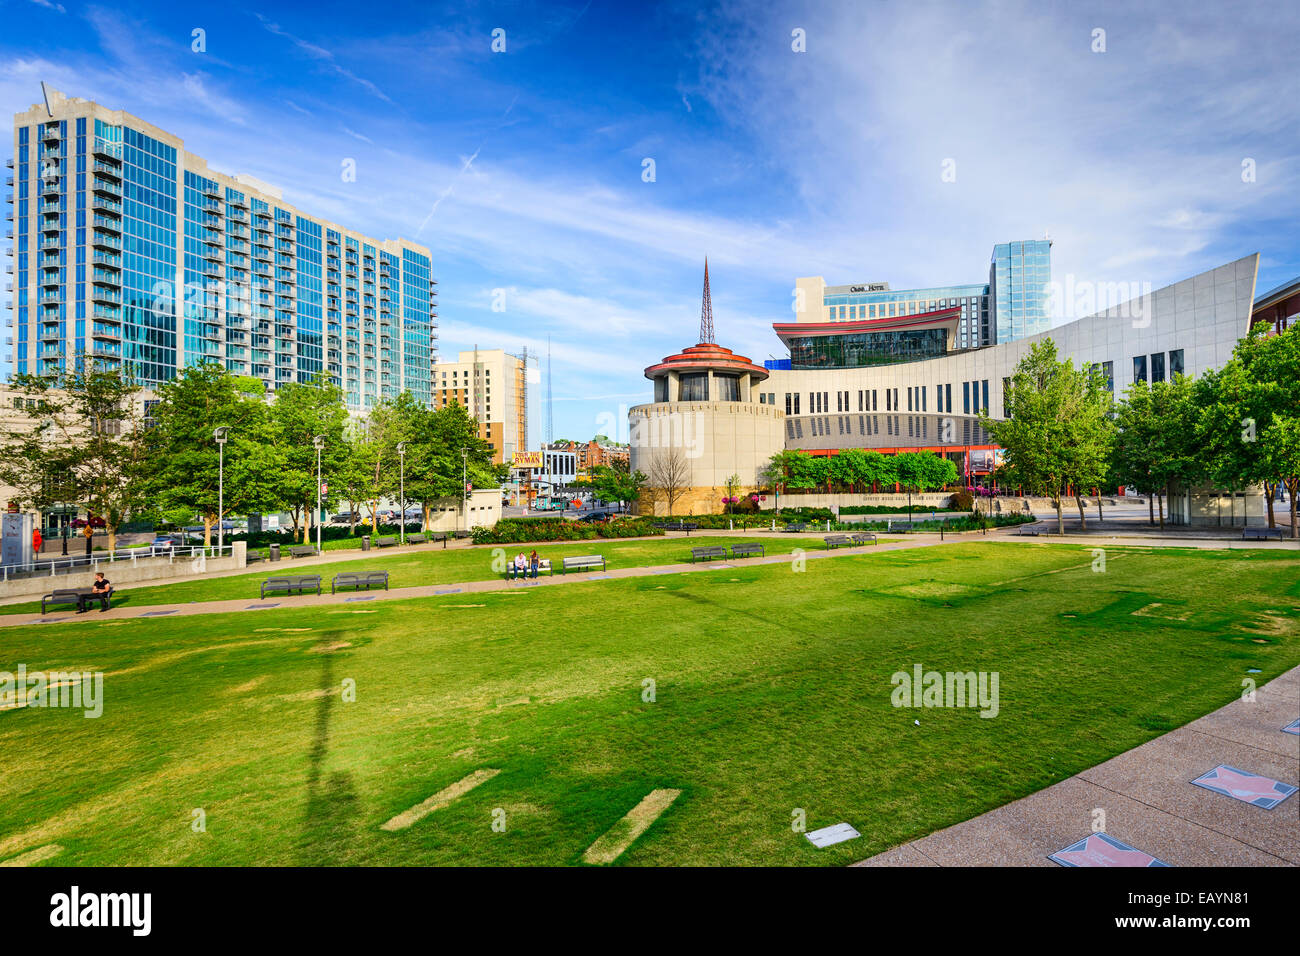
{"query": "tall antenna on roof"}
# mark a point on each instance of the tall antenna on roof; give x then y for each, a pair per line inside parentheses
(706, 310)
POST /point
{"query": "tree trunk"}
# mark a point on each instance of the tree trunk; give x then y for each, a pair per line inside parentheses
(1099, 514)
(1162, 512)
(112, 538)
(1083, 522)
(1151, 509)
(424, 508)
(1060, 515)
(1270, 489)
(207, 531)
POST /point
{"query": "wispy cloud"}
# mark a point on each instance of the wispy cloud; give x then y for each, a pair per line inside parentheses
(323, 56)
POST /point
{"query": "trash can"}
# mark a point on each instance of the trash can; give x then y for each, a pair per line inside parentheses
(365, 542)
(275, 552)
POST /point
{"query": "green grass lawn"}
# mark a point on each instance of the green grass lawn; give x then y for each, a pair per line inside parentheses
(772, 696)
(431, 564)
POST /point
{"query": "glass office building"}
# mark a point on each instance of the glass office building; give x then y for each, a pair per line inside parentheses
(1019, 275)
(1013, 304)
(129, 250)
(867, 349)
(878, 301)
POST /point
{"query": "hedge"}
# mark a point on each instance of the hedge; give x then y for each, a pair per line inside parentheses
(522, 530)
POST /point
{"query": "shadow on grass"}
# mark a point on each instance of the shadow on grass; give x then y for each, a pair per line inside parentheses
(330, 824)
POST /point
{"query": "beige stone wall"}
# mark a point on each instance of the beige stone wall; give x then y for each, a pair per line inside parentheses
(715, 439)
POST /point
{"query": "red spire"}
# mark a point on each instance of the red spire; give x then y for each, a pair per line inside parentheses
(706, 311)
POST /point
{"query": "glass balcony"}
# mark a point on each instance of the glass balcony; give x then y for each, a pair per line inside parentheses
(107, 150)
(106, 204)
(105, 240)
(112, 188)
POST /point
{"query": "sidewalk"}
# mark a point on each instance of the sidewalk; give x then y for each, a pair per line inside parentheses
(1150, 802)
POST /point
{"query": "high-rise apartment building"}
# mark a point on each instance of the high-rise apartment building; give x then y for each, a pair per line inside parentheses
(130, 250)
(492, 385)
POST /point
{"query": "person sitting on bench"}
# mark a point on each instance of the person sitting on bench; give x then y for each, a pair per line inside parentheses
(102, 590)
(521, 565)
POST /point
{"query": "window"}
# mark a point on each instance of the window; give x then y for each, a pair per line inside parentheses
(796, 403)
(694, 387)
(1158, 367)
(889, 400)
(1108, 369)
(985, 404)
(875, 405)
(728, 387)
(787, 403)
(924, 389)
(1175, 362)
(1139, 368)
(965, 398)
(909, 398)
(826, 402)
(948, 396)
(1006, 398)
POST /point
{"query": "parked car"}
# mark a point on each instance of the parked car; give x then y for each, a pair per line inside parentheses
(344, 517)
(596, 516)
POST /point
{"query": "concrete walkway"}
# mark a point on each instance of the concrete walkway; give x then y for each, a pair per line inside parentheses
(1149, 801)
(126, 611)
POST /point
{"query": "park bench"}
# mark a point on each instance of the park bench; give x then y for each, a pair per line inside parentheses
(583, 561)
(740, 550)
(708, 554)
(1260, 534)
(835, 540)
(796, 526)
(461, 534)
(1028, 529)
(386, 541)
(543, 564)
(359, 579)
(287, 585)
(302, 551)
(437, 536)
(418, 537)
(863, 537)
(64, 596)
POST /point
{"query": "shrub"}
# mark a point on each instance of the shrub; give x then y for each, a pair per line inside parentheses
(962, 500)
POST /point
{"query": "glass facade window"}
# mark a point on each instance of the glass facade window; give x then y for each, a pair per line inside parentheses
(867, 349)
(728, 387)
(1175, 362)
(1139, 368)
(694, 387)
(1157, 367)
(1019, 277)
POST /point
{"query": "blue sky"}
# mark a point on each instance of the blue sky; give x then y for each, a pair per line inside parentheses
(522, 170)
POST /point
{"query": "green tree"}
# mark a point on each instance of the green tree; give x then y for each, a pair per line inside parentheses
(443, 451)
(79, 440)
(1154, 427)
(183, 455)
(300, 413)
(1059, 428)
(921, 471)
(609, 484)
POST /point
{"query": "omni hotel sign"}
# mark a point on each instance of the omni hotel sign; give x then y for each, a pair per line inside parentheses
(870, 287)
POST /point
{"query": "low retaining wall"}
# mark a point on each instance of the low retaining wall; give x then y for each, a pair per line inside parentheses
(124, 572)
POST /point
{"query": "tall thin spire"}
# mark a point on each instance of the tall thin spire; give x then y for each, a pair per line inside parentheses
(706, 310)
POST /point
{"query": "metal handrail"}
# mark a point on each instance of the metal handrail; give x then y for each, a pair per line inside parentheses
(79, 563)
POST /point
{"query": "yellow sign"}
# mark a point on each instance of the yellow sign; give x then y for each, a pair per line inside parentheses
(527, 459)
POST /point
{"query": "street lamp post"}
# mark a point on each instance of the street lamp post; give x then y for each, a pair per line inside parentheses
(219, 436)
(464, 478)
(401, 489)
(318, 443)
